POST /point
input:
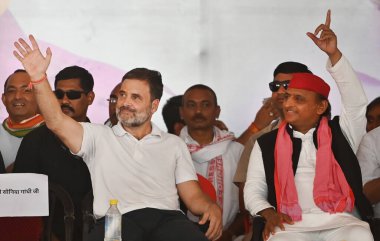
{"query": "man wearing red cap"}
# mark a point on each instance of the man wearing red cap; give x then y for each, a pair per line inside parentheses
(304, 178)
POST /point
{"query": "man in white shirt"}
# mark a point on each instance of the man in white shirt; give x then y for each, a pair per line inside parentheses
(215, 152)
(369, 160)
(304, 178)
(134, 162)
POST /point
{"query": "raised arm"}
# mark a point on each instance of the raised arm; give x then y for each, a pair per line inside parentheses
(35, 64)
(352, 119)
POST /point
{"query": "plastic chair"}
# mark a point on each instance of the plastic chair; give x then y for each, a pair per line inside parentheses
(58, 193)
(88, 214)
(258, 224)
(207, 187)
(39, 228)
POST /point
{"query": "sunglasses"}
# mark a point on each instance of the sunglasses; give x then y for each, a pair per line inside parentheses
(276, 85)
(71, 94)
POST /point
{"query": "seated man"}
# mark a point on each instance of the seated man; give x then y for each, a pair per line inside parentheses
(144, 168)
(304, 178)
(369, 160)
(215, 152)
(267, 119)
(42, 152)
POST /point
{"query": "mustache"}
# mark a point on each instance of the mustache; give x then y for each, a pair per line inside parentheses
(198, 116)
(128, 108)
(66, 106)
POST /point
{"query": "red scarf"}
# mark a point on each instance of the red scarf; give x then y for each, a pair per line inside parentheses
(331, 191)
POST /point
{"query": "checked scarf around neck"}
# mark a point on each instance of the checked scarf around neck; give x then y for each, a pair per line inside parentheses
(24, 127)
(331, 191)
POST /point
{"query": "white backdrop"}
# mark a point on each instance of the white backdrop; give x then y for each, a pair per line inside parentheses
(232, 46)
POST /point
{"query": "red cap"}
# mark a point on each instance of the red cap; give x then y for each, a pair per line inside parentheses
(306, 81)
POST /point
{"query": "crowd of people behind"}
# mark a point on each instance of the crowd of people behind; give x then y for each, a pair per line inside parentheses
(307, 175)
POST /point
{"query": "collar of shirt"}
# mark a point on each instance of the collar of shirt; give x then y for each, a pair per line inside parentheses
(120, 131)
(307, 135)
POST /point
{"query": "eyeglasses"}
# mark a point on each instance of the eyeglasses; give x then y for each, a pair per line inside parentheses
(275, 85)
(112, 100)
(71, 94)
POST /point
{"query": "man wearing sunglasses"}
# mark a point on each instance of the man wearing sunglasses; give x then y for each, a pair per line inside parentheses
(42, 152)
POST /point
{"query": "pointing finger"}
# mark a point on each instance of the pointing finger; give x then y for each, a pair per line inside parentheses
(328, 18)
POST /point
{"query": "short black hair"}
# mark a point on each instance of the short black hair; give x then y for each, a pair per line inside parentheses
(327, 112)
(202, 87)
(16, 71)
(76, 72)
(170, 112)
(373, 104)
(153, 77)
(290, 68)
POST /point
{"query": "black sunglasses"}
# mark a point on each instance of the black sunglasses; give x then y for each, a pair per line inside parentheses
(275, 85)
(71, 94)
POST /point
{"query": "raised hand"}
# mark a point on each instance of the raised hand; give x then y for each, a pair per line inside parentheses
(327, 41)
(31, 58)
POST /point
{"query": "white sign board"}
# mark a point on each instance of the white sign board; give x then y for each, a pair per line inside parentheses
(24, 194)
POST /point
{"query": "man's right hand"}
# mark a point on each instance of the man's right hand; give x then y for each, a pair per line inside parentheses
(266, 114)
(32, 59)
(274, 219)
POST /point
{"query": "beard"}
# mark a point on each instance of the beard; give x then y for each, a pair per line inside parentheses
(133, 118)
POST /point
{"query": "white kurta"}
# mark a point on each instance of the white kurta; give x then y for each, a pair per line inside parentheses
(369, 160)
(352, 122)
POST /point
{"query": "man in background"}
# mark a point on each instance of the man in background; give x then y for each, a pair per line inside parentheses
(23, 116)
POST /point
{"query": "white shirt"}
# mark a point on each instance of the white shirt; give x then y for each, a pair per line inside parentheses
(139, 173)
(369, 160)
(352, 122)
(8, 146)
(230, 154)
